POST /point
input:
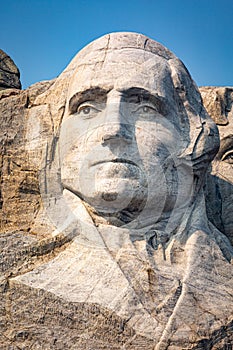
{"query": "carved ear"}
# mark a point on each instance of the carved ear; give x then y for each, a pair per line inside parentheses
(203, 133)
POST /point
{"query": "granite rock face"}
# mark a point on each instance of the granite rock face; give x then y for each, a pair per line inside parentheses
(219, 186)
(104, 239)
(9, 73)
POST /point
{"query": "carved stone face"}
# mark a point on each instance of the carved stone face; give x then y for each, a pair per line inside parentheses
(120, 136)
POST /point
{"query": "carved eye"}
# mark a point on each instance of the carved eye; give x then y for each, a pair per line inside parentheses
(87, 109)
(147, 109)
(228, 157)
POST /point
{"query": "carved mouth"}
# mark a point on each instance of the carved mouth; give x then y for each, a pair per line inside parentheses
(117, 160)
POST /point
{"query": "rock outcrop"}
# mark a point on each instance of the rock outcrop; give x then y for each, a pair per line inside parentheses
(9, 73)
(219, 185)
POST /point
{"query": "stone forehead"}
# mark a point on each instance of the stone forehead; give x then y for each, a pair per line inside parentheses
(124, 40)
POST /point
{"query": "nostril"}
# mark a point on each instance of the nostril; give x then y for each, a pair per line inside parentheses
(110, 136)
(124, 135)
(117, 133)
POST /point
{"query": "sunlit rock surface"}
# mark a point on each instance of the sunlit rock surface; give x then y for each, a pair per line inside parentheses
(81, 269)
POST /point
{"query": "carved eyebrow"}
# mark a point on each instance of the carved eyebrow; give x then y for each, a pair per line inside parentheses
(139, 95)
(134, 95)
(226, 144)
(94, 93)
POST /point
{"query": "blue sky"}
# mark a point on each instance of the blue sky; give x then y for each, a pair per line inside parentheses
(43, 35)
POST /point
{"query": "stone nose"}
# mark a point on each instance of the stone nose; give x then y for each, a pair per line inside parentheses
(117, 132)
(116, 128)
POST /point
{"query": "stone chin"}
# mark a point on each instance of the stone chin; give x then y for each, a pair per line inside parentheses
(114, 195)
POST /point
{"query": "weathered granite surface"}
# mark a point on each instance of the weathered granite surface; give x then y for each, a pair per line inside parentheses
(105, 243)
(9, 73)
(219, 185)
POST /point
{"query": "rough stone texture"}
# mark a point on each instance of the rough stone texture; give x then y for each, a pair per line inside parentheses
(78, 270)
(20, 195)
(9, 73)
(219, 186)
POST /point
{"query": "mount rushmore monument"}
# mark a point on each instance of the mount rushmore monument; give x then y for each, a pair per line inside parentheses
(115, 206)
